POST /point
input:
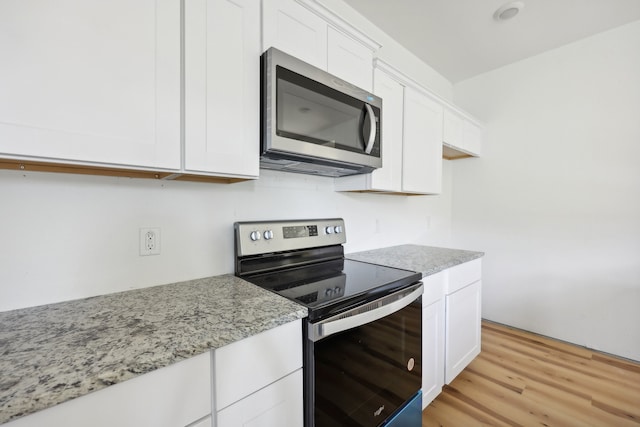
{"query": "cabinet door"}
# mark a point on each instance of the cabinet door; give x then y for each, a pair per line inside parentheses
(452, 132)
(422, 145)
(349, 60)
(461, 134)
(389, 176)
(432, 351)
(222, 87)
(91, 81)
(472, 137)
(278, 405)
(294, 29)
(463, 317)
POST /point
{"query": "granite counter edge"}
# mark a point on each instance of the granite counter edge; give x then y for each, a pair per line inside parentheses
(18, 405)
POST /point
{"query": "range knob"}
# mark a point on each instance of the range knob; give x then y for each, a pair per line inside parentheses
(268, 234)
(328, 292)
(329, 229)
(338, 229)
(255, 235)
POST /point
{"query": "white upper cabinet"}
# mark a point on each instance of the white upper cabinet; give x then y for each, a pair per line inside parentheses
(91, 81)
(422, 153)
(388, 178)
(472, 137)
(222, 87)
(294, 29)
(310, 32)
(349, 59)
(411, 140)
(462, 137)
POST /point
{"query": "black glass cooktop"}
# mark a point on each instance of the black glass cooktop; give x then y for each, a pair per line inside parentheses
(330, 287)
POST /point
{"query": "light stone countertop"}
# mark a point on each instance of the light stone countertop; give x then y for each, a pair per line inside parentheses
(423, 259)
(53, 353)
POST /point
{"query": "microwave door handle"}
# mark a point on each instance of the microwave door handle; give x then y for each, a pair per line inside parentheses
(372, 131)
(329, 327)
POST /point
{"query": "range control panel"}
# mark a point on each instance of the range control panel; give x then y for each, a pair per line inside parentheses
(253, 238)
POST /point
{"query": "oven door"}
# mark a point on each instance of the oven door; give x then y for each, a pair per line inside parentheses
(364, 365)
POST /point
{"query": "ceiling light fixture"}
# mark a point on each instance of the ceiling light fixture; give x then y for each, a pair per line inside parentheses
(508, 10)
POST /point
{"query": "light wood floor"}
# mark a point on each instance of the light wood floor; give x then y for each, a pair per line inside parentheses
(523, 379)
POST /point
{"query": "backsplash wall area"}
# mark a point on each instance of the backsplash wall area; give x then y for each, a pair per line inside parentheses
(72, 236)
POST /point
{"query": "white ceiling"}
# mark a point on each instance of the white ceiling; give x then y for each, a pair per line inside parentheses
(460, 39)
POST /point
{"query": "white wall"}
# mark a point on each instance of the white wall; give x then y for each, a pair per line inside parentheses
(555, 201)
(70, 236)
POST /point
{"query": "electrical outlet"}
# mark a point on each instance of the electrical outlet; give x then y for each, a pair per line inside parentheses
(149, 241)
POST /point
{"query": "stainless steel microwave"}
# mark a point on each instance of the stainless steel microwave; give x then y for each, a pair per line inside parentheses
(314, 122)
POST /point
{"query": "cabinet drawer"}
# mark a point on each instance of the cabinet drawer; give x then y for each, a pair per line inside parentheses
(250, 364)
(462, 275)
(280, 404)
(433, 287)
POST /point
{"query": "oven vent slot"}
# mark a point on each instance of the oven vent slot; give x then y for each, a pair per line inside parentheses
(362, 309)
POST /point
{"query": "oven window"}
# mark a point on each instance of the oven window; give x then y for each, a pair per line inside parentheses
(315, 113)
(363, 375)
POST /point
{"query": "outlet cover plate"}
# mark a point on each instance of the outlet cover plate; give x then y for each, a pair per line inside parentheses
(149, 241)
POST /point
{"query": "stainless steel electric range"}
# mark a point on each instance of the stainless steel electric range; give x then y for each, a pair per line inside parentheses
(363, 336)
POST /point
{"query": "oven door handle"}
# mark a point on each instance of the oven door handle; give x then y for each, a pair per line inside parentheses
(364, 314)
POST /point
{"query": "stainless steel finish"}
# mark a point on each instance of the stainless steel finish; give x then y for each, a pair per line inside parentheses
(246, 245)
(373, 129)
(288, 154)
(364, 314)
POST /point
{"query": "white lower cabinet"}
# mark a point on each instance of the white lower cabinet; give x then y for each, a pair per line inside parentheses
(462, 317)
(432, 337)
(175, 396)
(277, 405)
(258, 380)
(451, 321)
